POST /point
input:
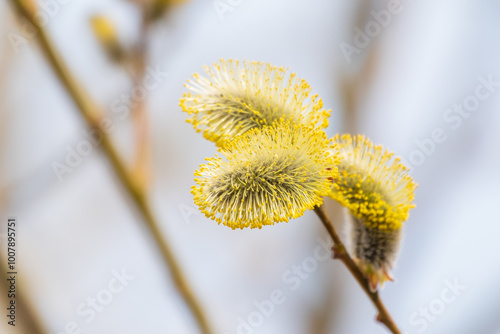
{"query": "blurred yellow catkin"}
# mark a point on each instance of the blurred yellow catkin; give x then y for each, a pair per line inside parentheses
(105, 32)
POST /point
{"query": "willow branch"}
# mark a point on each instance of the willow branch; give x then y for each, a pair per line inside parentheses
(142, 161)
(31, 322)
(92, 115)
(340, 253)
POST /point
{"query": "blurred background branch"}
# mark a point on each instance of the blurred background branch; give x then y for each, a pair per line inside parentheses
(402, 85)
(92, 115)
(142, 159)
(340, 252)
(31, 321)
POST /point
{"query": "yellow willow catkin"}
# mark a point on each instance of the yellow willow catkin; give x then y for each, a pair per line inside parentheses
(238, 96)
(378, 192)
(266, 176)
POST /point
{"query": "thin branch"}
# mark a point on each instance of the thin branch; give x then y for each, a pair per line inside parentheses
(142, 161)
(91, 114)
(340, 252)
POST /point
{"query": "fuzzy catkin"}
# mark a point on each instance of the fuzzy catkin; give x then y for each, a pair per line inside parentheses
(235, 97)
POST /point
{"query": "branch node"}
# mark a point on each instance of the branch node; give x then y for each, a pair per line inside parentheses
(338, 252)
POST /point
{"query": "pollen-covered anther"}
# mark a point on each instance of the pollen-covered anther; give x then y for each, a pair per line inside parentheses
(269, 175)
(238, 96)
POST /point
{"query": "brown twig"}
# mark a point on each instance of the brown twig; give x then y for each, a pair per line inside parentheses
(142, 162)
(340, 253)
(28, 319)
(92, 115)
